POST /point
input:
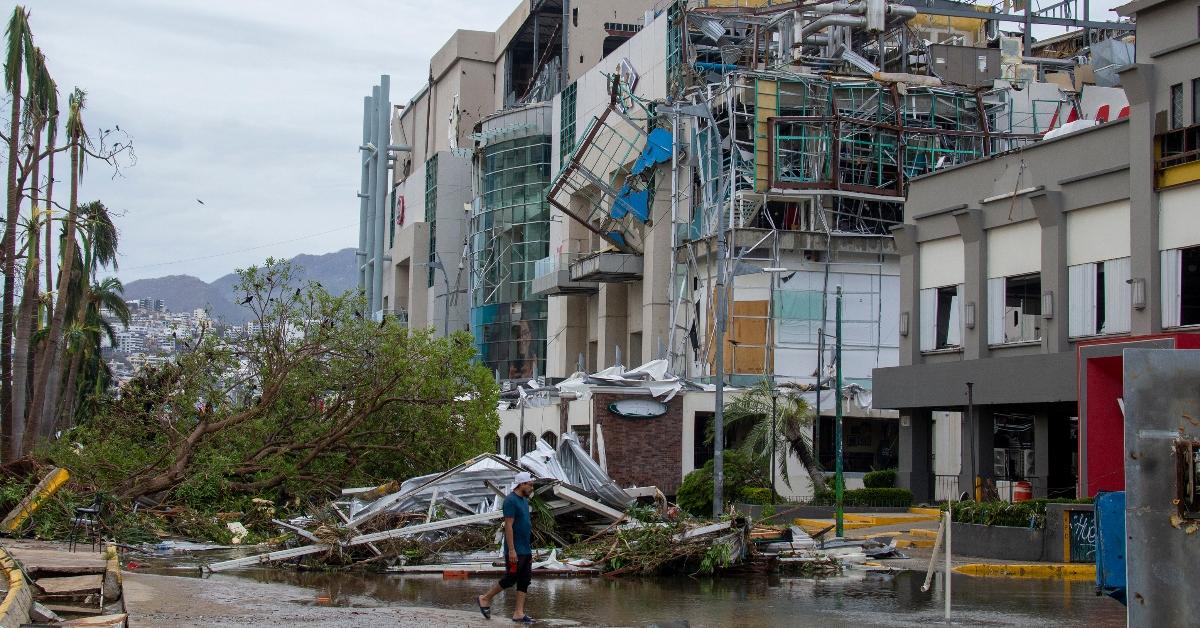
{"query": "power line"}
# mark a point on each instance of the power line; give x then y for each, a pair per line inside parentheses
(253, 248)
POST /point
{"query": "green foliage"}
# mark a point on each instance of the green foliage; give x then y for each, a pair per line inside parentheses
(319, 397)
(695, 493)
(755, 495)
(718, 555)
(1027, 514)
(883, 478)
(792, 425)
(894, 497)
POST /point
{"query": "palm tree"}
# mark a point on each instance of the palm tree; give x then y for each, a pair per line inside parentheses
(20, 45)
(88, 376)
(50, 371)
(793, 431)
(41, 111)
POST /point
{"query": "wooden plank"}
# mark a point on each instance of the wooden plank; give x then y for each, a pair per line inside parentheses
(400, 533)
(587, 502)
(703, 530)
(71, 584)
(259, 559)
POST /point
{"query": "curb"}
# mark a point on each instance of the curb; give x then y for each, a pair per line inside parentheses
(1058, 571)
(14, 610)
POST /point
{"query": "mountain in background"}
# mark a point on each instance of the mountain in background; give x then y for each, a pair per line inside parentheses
(184, 293)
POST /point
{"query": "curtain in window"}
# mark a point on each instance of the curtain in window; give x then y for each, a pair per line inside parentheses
(928, 319)
(1117, 296)
(995, 309)
(954, 328)
(1172, 262)
(1081, 300)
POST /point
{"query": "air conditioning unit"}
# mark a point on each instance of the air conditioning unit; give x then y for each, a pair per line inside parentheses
(1028, 466)
(1000, 463)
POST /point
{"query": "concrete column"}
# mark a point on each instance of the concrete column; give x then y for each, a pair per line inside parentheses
(977, 437)
(1048, 207)
(613, 327)
(418, 285)
(974, 292)
(905, 237)
(657, 272)
(1041, 452)
(915, 471)
(567, 337)
(1140, 87)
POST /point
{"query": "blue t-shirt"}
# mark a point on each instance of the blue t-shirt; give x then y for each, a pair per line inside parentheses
(517, 508)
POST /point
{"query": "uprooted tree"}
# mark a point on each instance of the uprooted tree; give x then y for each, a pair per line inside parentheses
(314, 396)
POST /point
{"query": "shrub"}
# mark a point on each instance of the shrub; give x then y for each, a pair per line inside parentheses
(1030, 514)
(883, 478)
(695, 494)
(898, 497)
(755, 495)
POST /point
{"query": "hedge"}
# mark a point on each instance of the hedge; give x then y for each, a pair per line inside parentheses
(754, 495)
(883, 478)
(867, 497)
(1029, 514)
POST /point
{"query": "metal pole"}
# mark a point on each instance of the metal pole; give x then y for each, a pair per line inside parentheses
(774, 433)
(719, 335)
(383, 139)
(837, 412)
(521, 438)
(820, 373)
(948, 565)
(972, 431)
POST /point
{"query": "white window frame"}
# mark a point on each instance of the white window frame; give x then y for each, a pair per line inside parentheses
(929, 326)
(1084, 306)
(997, 288)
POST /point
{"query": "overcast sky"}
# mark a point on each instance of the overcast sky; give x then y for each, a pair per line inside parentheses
(253, 107)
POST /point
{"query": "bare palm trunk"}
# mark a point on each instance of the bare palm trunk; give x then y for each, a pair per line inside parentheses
(49, 260)
(66, 410)
(27, 315)
(10, 267)
(50, 369)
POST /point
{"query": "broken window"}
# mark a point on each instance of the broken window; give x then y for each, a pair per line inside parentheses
(1181, 287)
(584, 434)
(1099, 298)
(941, 322)
(1014, 309)
(528, 442)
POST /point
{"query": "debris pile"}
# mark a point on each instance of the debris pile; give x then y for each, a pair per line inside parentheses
(452, 522)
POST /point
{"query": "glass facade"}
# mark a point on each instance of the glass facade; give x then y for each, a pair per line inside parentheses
(431, 176)
(566, 138)
(510, 231)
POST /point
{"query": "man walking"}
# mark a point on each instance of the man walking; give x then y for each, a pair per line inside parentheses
(518, 555)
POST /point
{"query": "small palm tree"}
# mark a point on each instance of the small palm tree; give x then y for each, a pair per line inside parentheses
(793, 428)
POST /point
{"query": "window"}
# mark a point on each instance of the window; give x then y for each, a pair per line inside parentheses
(941, 322)
(1181, 287)
(510, 445)
(550, 438)
(1099, 298)
(528, 442)
(1014, 309)
(1196, 101)
(566, 124)
(431, 174)
(584, 434)
(1177, 105)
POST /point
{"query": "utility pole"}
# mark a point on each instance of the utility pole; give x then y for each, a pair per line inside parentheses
(774, 436)
(837, 412)
(719, 338)
(971, 435)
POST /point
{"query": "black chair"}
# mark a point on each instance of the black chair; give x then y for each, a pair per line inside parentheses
(87, 521)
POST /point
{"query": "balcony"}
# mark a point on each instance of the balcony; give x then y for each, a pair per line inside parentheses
(1177, 153)
(552, 277)
(607, 267)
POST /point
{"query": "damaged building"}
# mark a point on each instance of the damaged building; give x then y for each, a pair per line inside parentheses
(773, 141)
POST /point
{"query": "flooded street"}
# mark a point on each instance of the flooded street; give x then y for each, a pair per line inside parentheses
(870, 600)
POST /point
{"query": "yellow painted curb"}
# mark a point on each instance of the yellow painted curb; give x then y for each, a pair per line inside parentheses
(914, 543)
(1056, 571)
(933, 512)
(812, 526)
(47, 487)
(929, 534)
(18, 594)
(886, 520)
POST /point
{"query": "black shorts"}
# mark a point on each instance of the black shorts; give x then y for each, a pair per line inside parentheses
(519, 573)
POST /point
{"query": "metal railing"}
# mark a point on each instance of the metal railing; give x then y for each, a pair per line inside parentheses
(554, 263)
(400, 315)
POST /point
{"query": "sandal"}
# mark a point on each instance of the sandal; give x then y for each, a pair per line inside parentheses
(485, 610)
(526, 619)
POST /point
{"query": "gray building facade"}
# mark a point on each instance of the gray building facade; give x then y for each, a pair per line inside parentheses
(1017, 270)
